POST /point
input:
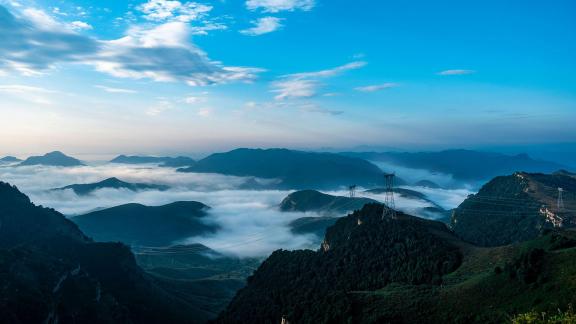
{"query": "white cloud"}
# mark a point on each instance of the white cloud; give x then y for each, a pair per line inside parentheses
(115, 90)
(161, 52)
(23, 89)
(320, 110)
(280, 5)
(205, 112)
(57, 11)
(165, 53)
(377, 87)
(166, 10)
(28, 93)
(159, 107)
(305, 85)
(192, 100)
(80, 25)
(329, 72)
(287, 89)
(263, 25)
(456, 72)
(40, 19)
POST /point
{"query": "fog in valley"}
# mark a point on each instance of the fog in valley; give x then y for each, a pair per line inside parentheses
(250, 222)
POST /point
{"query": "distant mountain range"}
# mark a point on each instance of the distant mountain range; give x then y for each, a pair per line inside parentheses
(516, 208)
(136, 224)
(55, 158)
(112, 183)
(50, 272)
(294, 169)
(465, 165)
(175, 162)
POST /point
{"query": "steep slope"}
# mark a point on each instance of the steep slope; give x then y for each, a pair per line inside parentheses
(52, 273)
(137, 224)
(32, 223)
(113, 183)
(55, 158)
(314, 286)
(180, 161)
(294, 169)
(407, 270)
(516, 208)
(315, 201)
(464, 165)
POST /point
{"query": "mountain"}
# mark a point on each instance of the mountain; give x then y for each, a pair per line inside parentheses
(23, 223)
(516, 208)
(465, 165)
(55, 158)
(315, 286)
(136, 224)
(180, 161)
(114, 183)
(294, 169)
(407, 270)
(315, 201)
(9, 160)
(50, 272)
(312, 225)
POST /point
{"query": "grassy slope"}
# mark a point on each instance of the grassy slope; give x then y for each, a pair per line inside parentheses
(476, 292)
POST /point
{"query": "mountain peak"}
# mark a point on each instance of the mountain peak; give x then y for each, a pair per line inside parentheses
(55, 158)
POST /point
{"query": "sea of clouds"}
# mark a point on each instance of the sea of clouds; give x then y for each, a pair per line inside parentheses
(250, 221)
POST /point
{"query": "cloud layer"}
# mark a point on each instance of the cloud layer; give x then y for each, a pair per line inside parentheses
(263, 26)
(33, 42)
(251, 224)
(280, 5)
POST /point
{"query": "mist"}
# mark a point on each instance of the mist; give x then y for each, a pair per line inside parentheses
(250, 222)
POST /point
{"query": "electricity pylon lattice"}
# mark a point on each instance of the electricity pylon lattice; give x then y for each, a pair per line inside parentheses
(352, 189)
(390, 206)
(560, 203)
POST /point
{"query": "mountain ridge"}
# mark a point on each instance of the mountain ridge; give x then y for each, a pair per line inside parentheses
(114, 183)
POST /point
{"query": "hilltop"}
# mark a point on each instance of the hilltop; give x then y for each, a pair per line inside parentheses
(136, 224)
(293, 169)
(516, 208)
(9, 160)
(112, 183)
(407, 270)
(55, 158)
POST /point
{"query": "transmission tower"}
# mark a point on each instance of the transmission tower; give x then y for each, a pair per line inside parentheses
(352, 189)
(390, 207)
(560, 203)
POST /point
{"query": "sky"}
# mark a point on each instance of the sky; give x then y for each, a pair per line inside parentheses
(173, 77)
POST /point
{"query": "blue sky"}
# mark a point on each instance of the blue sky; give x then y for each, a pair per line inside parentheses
(171, 77)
